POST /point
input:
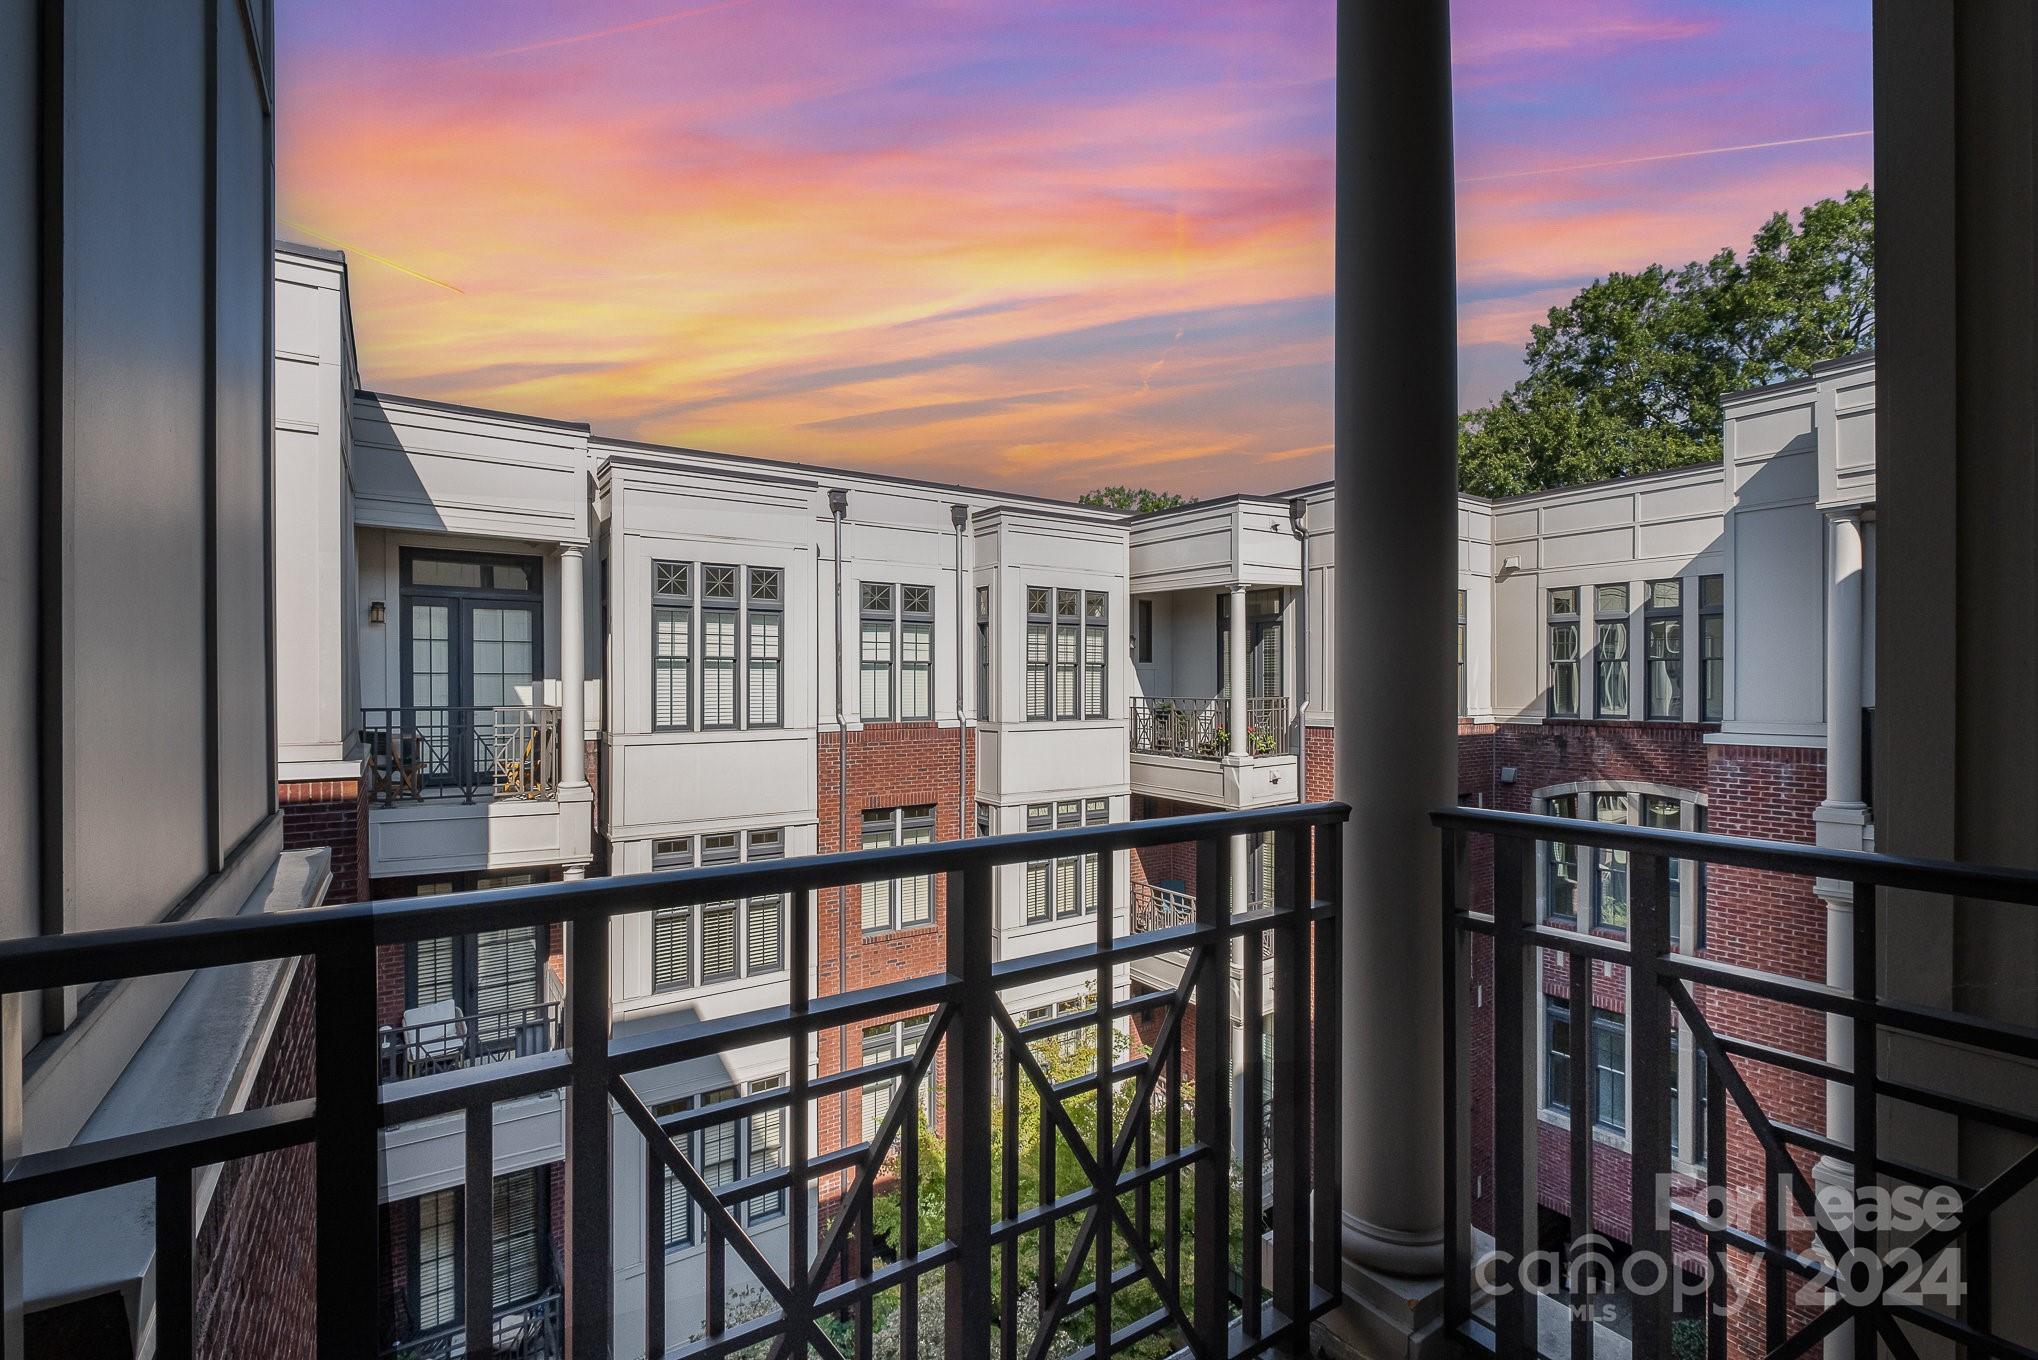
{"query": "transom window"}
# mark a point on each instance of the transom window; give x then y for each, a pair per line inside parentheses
(694, 946)
(717, 657)
(905, 902)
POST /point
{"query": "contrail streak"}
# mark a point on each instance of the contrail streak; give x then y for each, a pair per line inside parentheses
(382, 260)
(656, 21)
(1666, 156)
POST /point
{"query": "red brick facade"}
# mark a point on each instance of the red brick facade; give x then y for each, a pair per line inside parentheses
(255, 1267)
(332, 813)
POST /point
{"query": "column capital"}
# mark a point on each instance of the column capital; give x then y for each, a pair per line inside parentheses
(571, 550)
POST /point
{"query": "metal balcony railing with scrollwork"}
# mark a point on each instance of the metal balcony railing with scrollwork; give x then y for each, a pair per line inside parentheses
(1197, 729)
(422, 1047)
(1132, 1220)
(1802, 1283)
(1267, 729)
(529, 1330)
(1158, 907)
(504, 751)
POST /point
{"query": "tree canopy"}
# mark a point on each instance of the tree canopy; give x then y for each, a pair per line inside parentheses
(1627, 376)
(1137, 500)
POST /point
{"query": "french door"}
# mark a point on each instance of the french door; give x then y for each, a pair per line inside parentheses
(472, 632)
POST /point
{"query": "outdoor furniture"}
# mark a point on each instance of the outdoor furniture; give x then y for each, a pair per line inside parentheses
(397, 763)
(437, 1037)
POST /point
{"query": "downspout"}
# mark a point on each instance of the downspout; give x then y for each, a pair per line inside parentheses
(1298, 515)
(958, 515)
(838, 506)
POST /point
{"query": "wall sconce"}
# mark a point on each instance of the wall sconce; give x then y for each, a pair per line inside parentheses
(375, 611)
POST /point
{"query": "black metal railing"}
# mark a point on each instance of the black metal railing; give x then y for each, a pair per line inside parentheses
(1812, 1279)
(1156, 907)
(518, 1331)
(504, 751)
(1220, 1302)
(1199, 729)
(423, 1047)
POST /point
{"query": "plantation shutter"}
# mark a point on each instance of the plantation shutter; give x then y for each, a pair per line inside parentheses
(519, 1258)
(718, 941)
(505, 979)
(672, 949)
(431, 970)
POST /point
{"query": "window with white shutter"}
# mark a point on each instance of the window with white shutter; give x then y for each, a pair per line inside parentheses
(766, 647)
(1039, 629)
(436, 1268)
(519, 1238)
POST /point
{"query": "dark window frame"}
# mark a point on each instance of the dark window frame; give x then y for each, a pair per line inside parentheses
(1658, 619)
(1559, 620)
(1712, 695)
(1622, 665)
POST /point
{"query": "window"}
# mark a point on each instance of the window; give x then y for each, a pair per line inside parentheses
(983, 820)
(719, 961)
(1556, 1057)
(1066, 887)
(1712, 647)
(435, 1273)
(876, 651)
(718, 647)
(765, 649)
(1143, 616)
(1609, 1073)
(520, 1242)
(1609, 1065)
(1610, 880)
(1563, 625)
(1095, 636)
(1668, 814)
(671, 653)
(717, 941)
(881, 1044)
(898, 903)
(1560, 867)
(916, 653)
(1068, 629)
(1462, 708)
(1260, 872)
(1610, 655)
(983, 653)
(738, 1149)
(764, 923)
(1663, 623)
(1039, 626)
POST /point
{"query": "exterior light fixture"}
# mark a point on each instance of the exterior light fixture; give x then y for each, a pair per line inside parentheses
(376, 612)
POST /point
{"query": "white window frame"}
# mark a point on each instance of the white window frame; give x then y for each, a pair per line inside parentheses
(908, 899)
(751, 915)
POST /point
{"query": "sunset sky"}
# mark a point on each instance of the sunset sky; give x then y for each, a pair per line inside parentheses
(1043, 246)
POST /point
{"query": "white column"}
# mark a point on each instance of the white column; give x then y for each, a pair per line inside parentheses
(1843, 661)
(1238, 659)
(572, 671)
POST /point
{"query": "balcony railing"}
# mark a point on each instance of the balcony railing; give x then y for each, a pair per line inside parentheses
(1800, 1300)
(1155, 907)
(1135, 1212)
(423, 1047)
(529, 1330)
(509, 751)
(1197, 728)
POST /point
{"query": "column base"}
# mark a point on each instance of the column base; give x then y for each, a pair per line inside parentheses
(1383, 1317)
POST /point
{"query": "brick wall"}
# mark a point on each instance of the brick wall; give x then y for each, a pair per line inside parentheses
(332, 813)
(1761, 921)
(890, 765)
(255, 1263)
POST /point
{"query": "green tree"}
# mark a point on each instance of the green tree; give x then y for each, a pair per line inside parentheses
(1628, 375)
(1135, 500)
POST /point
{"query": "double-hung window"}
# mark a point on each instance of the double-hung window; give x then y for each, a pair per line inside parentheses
(1663, 626)
(983, 653)
(736, 1149)
(1560, 866)
(916, 653)
(765, 647)
(1069, 886)
(1096, 637)
(1068, 631)
(881, 1044)
(671, 646)
(898, 903)
(435, 1269)
(1607, 1054)
(1668, 814)
(876, 650)
(1462, 710)
(1039, 645)
(896, 652)
(716, 941)
(1610, 651)
(1563, 625)
(1610, 879)
(720, 604)
(1712, 647)
(720, 959)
